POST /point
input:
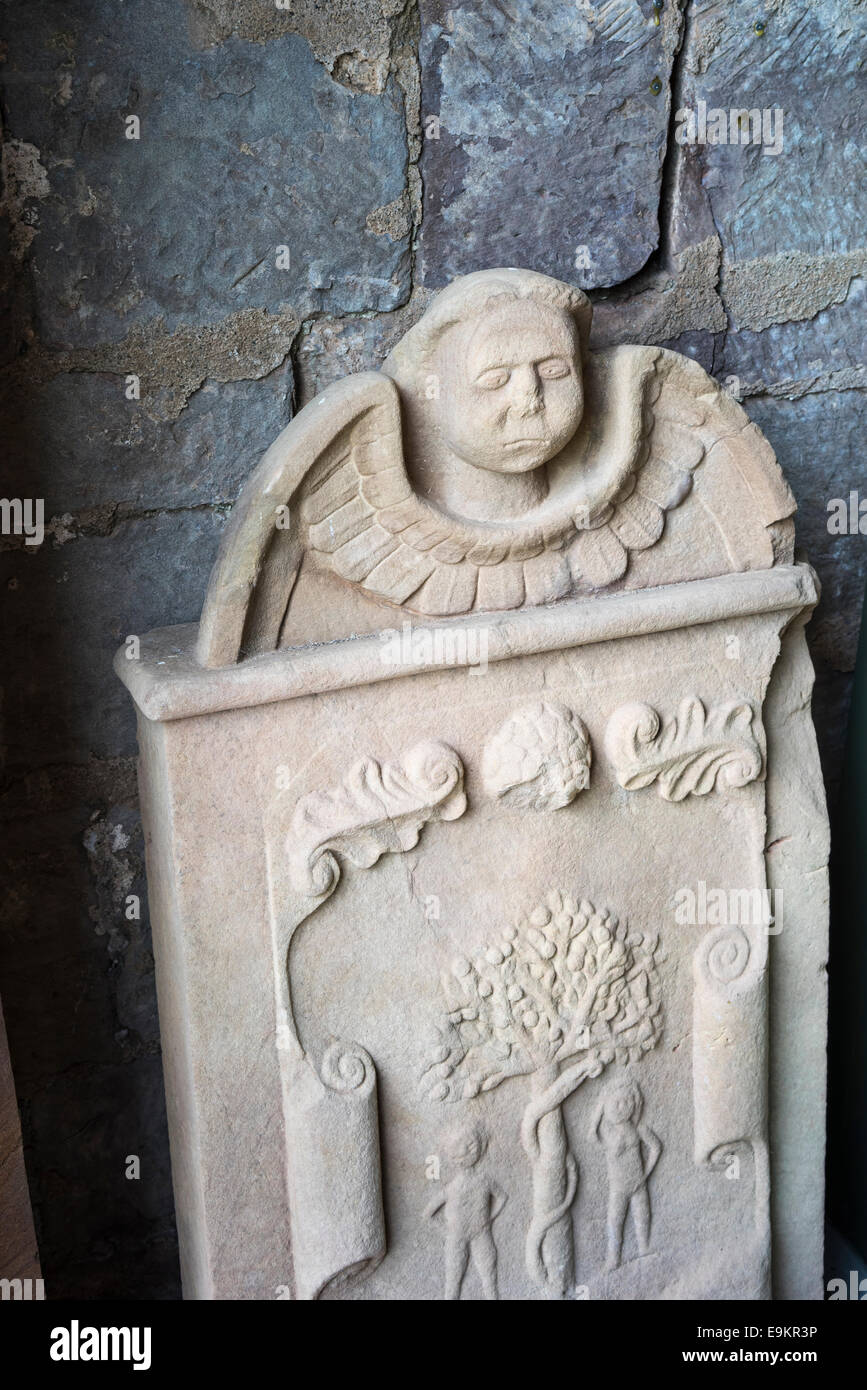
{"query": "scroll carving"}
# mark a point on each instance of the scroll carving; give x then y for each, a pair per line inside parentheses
(691, 753)
(377, 809)
(331, 1119)
(558, 998)
(729, 1041)
(539, 759)
(332, 1130)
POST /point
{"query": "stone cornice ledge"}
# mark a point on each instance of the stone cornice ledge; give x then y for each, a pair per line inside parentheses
(167, 682)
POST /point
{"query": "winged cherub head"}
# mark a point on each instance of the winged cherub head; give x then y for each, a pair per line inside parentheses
(491, 382)
(510, 393)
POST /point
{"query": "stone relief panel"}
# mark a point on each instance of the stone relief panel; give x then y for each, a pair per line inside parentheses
(379, 808)
(469, 1204)
(631, 1152)
(563, 1184)
(495, 463)
(506, 1068)
(561, 995)
(335, 1179)
(729, 1034)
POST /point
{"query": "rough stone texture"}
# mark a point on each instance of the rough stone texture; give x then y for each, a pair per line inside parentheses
(820, 435)
(622, 745)
(792, 239)
(330, 348)
(826, 425)
(275, 152)
(789, 360)
(550, 135)
(354, 41)
(217, 362)
(87, 1068)
(806, 62)
(87, 1063)
(103, 453)
(788, 287)
(105, 587)
(682, 303)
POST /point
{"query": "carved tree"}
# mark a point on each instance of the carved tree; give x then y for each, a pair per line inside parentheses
(565, 992)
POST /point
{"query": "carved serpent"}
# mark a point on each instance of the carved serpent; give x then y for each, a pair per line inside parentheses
(542, 1223)
(546, 1105)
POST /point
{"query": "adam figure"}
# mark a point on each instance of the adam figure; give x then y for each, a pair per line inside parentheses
(470, 1203)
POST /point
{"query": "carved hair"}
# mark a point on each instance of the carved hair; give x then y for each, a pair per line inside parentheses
(468, 298)
(461, 1134)
(626, 1084)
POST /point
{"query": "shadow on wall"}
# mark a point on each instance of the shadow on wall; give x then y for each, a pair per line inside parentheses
(847, 1080)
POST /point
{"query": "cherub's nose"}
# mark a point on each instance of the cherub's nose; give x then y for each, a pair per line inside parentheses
(526, 391)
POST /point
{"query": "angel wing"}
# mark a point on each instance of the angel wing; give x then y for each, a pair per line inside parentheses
(355, 420)
(688, 420)
(365, 521)
(652, 417)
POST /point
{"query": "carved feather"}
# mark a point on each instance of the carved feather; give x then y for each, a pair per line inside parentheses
(652, 417)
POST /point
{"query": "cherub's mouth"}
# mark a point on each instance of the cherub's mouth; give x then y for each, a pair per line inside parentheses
(531, 439)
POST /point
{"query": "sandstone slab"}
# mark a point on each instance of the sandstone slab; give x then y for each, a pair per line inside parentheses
(504, 602)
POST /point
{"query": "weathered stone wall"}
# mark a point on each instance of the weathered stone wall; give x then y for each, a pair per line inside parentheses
(298, 180)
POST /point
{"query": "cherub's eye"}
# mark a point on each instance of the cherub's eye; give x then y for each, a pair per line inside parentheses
(493, 379)
(553, 367)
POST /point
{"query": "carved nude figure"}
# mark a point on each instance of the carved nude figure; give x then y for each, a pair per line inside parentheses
(631, 1149)
(470, 1203)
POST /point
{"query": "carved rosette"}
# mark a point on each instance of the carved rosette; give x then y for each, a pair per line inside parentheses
(539, 759)
(691, 753)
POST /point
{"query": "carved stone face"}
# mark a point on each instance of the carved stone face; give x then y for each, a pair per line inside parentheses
(621, 1105)
(465, 1147)
(511, 394)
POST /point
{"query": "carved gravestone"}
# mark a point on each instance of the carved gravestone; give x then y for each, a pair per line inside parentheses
(486, 838)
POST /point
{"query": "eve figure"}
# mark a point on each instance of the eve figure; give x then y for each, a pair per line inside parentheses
(470, 1204)
(631, 1150)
